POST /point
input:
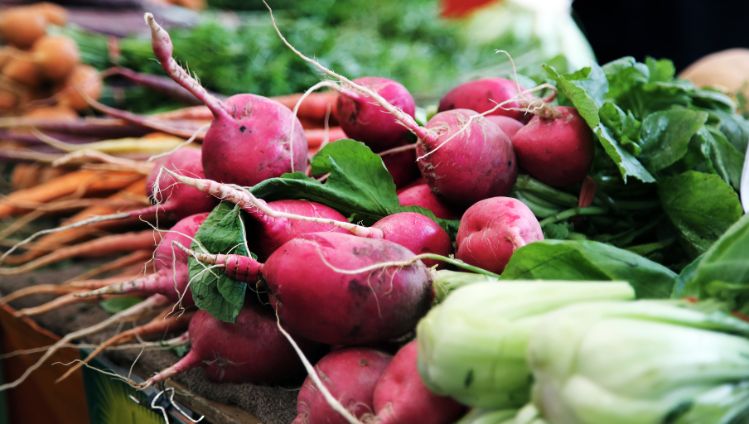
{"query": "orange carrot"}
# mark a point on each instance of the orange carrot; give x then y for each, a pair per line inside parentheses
(98, 247)
(83, 181)
(316, 137)
(316, 106)
(161, 324)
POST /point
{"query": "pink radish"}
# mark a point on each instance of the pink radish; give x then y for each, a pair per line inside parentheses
(492, 229)
(421, 195)
(483, 95)
(350, 376)
(380, 287)
(509, 125)
(401, 164)
(464, 157)
(363, 120)
(416, 232)
(401, 397)
(555, 147)
(251, 138)
(251, 350)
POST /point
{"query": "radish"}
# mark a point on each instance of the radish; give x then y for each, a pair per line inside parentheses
(401, 397)
(421, 195)
(380, 287)
(401, 164)
(251, 350)
(463, 157)
(555, 147)
(350, 376)
(509, 125)
(484, 95)
(251, 138)
(416, 232)
(282, 220)
(364, 120)
(492, 229)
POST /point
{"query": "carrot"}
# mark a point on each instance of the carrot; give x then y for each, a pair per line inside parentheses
(318, 136)
(23, 70)
(135, 261)
(54, 14)
(22, 26)
(84, 181)
(161, 324)
(316, 106)
(95, 248)
(82, 83)
(56, 56)
(24, 175)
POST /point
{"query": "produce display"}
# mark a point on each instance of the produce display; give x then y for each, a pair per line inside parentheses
(547, 243)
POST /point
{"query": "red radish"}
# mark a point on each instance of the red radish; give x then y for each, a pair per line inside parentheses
(250, 350)
(401, 397)
(378, 285)
(483, 95)
(401, 164)
(509, 125)
(464, 157)
(421, 195)
(492, 229)
(251, 138)
(350, 376)
(555, 147)
(416, 232)
(283, 220)
(465, 166)
(364, 120)
(170, 262)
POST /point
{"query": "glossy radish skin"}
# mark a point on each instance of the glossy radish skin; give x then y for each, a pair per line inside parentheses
(311, 290)
(178, 200)
(416, 232)
(475, 164)
(250, 350)
(556, 150)
(492, 229)
(362, 119)
(421, 195)
(273, 232)
(350, 375)
(483, 95)
(253, 142)
(509, 125)
(402, 167)
(401, 397)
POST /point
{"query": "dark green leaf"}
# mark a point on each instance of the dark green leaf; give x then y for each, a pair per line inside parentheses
(701, 206)
(589, 260)
(666, 135)
(214, 292)
(722, 273)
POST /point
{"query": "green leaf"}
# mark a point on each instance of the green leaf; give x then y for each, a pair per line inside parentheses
(119, 304)
(587, 96)
(701, 206)
(666, 135)
(589, 260)
(722, 273)
(214, 292)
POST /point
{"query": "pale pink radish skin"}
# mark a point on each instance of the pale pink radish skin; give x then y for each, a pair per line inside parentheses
(483, 95)
(492, 229)
(421, 195)
(555, 147)
(401, 397)
(509, 125)
(251, 350)
(364, 120)
(171, 274)
(175, 201)
(474, 164)
(416, 232)
(251, 138)
(342, 276)
(350, 375)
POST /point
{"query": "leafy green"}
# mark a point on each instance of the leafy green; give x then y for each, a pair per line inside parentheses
(702, 206)
(666, 135)
(214, 292)
(589, 260)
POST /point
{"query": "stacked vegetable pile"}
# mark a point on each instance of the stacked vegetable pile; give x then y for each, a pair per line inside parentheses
(595, 217)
